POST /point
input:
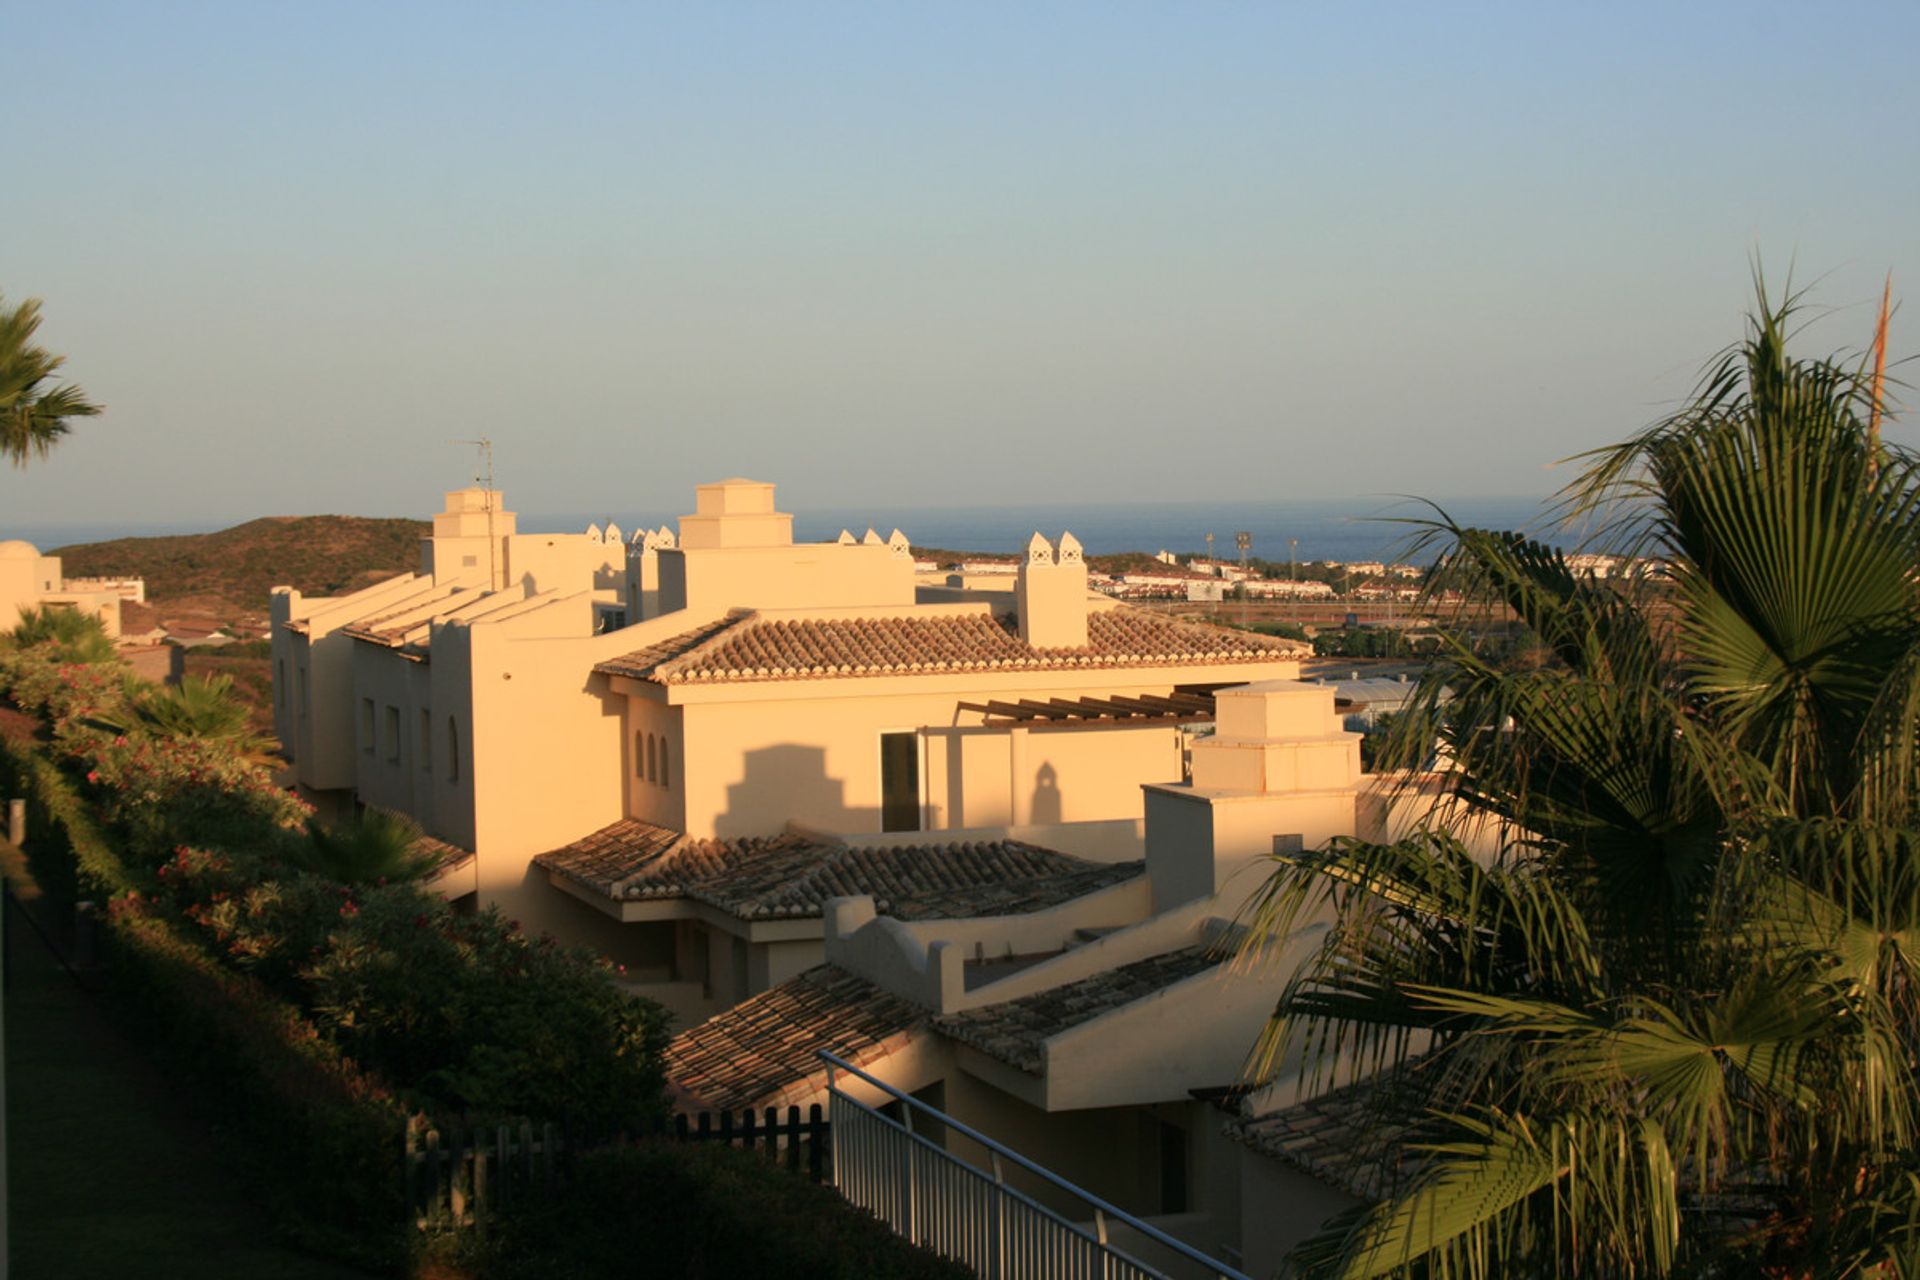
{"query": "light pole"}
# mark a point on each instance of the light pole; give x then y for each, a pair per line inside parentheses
(1244, 541)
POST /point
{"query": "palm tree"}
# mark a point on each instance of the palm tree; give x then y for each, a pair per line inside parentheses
(201, 707)
(1672, 1025)
(74, 636)
(375, 846)
(33, 416)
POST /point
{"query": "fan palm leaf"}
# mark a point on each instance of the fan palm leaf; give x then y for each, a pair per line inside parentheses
(33, 415)
(1670, 1021)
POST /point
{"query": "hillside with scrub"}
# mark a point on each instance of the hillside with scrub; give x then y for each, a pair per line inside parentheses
(318, 555)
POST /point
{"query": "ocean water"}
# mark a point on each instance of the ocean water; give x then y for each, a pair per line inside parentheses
(1326, 529)
(1353, 529)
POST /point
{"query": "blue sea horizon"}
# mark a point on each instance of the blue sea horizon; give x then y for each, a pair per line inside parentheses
(1380, 528)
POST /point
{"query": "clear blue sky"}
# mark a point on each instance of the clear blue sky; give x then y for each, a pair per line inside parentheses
(898, 254)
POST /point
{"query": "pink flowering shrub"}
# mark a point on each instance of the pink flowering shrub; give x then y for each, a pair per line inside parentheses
(455, 1012)
(161, 792)
(62, 692)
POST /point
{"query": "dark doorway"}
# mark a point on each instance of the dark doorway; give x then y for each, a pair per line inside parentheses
(899, 782)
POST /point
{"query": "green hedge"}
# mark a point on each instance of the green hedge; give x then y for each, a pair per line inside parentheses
(697, 1212)
(318, 1137)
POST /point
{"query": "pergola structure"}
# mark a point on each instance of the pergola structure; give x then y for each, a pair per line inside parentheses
(1181, 705)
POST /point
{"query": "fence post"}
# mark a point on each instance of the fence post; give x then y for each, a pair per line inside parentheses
(680, 1129)
(913, 1181)
(793, 1138)
(413, 1167)
(999, 1220)
(503, 1162)
(748, 1134)
(816, 1144)
(457, 1179)
(433, 1175)
(481, 1209)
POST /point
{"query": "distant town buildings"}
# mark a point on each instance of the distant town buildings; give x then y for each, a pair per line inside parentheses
(29, 580)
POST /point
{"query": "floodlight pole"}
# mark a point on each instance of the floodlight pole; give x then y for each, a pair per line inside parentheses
(1244, 541)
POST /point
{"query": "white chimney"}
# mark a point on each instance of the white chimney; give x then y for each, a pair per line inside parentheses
(1050, 593)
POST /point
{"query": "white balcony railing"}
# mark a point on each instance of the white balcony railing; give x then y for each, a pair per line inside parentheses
(971, 1215)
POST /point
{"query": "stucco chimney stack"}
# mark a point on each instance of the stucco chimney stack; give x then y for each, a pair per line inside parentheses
(1050, 594)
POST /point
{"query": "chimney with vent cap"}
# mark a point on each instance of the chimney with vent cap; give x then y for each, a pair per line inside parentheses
(1050, 594)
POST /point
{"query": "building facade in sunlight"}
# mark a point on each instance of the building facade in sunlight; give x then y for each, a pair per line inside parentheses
(641, 740)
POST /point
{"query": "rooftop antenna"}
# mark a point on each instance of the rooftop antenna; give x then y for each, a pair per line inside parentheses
(485, 476)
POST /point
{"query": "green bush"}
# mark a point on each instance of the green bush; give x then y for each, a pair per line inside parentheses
(457, 1013)
(318, 1013)
(318, 1137)
(74, 636)
(699, 1212)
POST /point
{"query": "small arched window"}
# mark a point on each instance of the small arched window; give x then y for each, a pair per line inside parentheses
(664, 780)
(639, 755)
(453, 750)
(652, 769)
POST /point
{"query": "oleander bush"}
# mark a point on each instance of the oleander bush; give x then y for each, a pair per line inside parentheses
(458, 1013)
(320, 1010)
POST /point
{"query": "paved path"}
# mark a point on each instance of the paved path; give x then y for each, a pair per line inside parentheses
(110, 1174)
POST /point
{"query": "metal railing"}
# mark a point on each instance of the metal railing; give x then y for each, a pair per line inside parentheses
(970, 1214)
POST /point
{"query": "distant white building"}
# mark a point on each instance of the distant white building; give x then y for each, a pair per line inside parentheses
(29, 580)
(1288, 589)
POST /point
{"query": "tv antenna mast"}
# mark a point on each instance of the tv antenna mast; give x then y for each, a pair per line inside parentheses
(485, 476)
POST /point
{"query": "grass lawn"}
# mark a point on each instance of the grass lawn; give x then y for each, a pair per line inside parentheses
(109, 1172)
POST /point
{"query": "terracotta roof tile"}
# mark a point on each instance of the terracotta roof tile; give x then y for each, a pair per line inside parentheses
(747, 647)
(1016, 1031)
(603, 860)
(1358, 1138)
(792, 877)
(641, 663)
(765, 1050)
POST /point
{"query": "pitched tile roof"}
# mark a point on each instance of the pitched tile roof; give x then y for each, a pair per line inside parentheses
(748, 647)
(642, 663)
(1015, 1031)
(1357, 1138)
(604, 860)
(790, 877)
(764, 1051)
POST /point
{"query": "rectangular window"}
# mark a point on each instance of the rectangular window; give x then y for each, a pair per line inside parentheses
(366, 725)
(393, 734)
(426, 739)
(899, 782)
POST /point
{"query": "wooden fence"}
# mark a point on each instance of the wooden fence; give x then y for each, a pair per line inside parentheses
(796, 1140)
(459, 1177)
